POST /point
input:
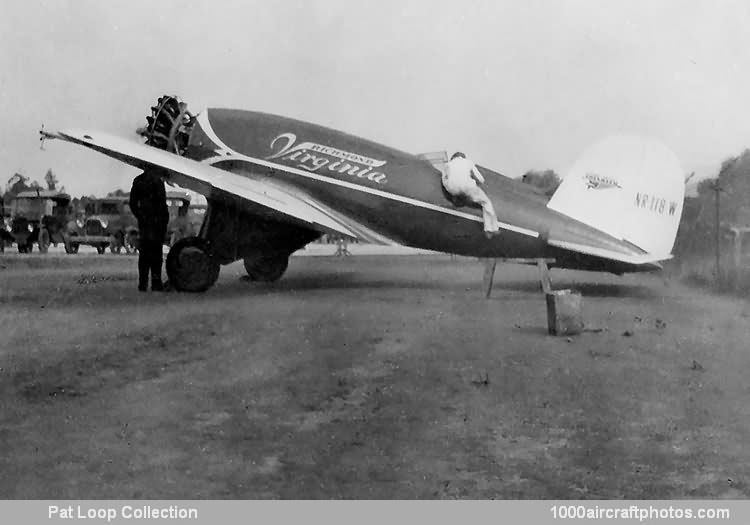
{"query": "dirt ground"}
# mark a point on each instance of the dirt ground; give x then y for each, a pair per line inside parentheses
(370, 376)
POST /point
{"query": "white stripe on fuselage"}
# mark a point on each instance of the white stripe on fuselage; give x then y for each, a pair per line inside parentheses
(226, 153)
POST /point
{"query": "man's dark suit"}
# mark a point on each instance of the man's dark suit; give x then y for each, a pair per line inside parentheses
(148, 202)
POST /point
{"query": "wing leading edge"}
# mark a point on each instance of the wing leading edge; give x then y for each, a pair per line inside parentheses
(285, 201)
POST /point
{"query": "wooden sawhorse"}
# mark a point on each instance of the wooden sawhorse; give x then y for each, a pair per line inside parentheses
(544, 279)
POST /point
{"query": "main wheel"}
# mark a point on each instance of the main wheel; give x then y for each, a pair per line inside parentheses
(268, 268)
(190, 265)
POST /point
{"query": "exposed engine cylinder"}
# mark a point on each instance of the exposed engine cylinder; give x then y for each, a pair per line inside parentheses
(169, 125)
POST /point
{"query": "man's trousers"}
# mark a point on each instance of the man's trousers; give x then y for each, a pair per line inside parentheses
(149, 261)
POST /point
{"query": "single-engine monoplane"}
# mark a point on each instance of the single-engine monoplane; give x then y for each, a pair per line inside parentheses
(274, 184)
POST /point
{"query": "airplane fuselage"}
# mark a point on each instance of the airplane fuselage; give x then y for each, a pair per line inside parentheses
(396, 194)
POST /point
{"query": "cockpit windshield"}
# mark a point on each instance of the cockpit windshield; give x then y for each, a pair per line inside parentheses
(437, 158)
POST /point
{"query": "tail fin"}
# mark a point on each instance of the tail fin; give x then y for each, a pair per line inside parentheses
(629, 187)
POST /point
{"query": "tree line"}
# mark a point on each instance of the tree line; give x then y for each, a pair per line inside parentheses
(724, 198)
(19, 183)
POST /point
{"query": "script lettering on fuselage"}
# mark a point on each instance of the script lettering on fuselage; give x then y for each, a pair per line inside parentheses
(654, 203)
(319, 158)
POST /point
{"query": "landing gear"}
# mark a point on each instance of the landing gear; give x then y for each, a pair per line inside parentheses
(101, 248)
(190, 265)
(267, 268)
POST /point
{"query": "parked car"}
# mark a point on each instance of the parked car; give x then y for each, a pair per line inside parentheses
(106, 222)
(6, 239)
(39, 216)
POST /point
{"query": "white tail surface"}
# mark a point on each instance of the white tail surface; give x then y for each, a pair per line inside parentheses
(629, 187)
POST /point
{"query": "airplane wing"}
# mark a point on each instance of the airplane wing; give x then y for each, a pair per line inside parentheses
(272, 196)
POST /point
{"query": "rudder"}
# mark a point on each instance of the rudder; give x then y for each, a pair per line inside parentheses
(629, 187)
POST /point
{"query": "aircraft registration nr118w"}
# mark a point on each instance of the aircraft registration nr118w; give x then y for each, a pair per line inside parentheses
(274, 184)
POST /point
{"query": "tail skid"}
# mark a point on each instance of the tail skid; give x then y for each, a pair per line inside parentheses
(629, 187)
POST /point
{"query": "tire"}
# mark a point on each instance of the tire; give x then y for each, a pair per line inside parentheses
(268, 268)
(71, 247)
(43, 240)
(190, 265)
(131, 242)
(117, 242)
(101, 248)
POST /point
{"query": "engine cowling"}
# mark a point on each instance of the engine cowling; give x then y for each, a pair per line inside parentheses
(168, 127)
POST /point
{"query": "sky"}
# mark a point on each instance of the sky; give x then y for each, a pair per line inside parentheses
(517, 85)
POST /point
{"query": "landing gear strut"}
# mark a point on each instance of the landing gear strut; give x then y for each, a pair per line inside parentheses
(190, 265)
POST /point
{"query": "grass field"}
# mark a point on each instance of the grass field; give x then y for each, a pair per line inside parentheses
(373, 376)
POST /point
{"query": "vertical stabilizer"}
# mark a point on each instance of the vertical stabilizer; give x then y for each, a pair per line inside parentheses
(629, 187)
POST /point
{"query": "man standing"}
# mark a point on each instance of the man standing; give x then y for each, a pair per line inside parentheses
(148, 202)
(460, 179)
